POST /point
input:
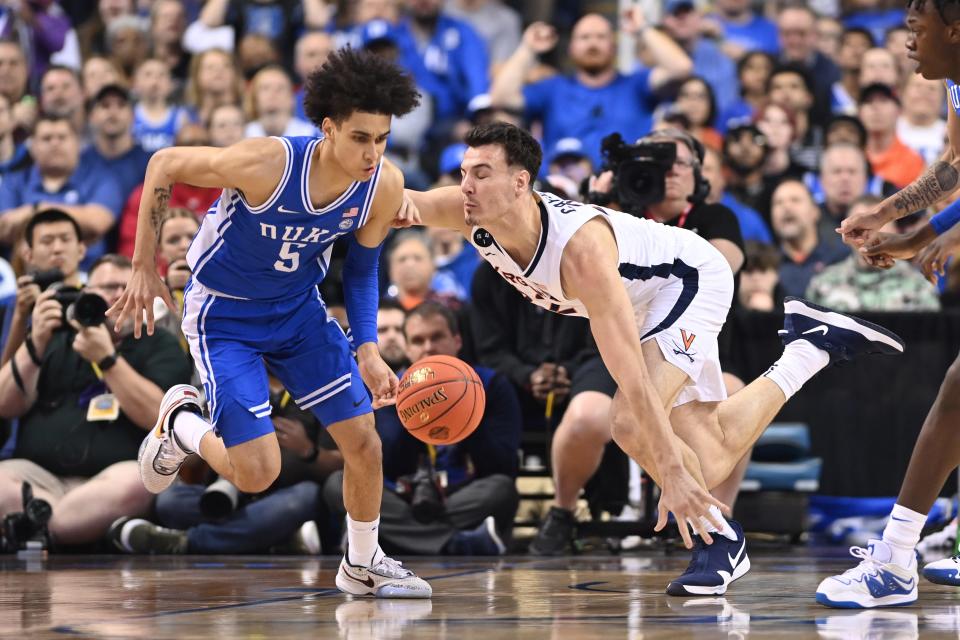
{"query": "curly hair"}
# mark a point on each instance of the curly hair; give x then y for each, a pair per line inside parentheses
(949, 10)
(521, 148)
(352, 80)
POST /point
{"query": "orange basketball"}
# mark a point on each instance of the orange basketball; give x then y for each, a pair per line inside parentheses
(441, 400)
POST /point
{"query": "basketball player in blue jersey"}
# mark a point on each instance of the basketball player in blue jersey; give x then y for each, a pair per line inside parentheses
(256, 261)
(657, 298)
(887, 573)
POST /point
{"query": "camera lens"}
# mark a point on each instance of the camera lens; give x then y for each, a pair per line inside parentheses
(88, 309)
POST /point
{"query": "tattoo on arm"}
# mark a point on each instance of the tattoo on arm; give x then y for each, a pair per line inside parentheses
(162, 197)
(937, 182)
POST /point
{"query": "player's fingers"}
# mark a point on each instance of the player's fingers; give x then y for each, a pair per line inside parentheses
(684, 531)
(168, 300)
(662, 514)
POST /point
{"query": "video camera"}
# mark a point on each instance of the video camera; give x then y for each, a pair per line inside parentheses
(87, 308)
(639, 170)
(29, 525)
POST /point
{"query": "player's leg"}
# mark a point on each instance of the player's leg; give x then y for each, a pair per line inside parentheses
(318, 370)
(935, 455)
(726, 492)
(224, 337)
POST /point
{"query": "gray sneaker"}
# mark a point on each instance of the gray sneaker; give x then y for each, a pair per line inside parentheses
(161, 453)
(386, 579)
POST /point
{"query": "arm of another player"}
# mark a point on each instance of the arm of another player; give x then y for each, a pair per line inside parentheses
(940, 180)
(441, 207)
(361, 286)
(256, 164)
(589, 271)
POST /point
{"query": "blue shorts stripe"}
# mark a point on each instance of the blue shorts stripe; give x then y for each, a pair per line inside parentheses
(210, 384)
(312, 394)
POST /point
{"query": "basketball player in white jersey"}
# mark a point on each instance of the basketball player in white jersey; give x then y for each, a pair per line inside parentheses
(656, 297)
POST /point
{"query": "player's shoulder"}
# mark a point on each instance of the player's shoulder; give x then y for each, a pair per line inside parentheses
(389, 185)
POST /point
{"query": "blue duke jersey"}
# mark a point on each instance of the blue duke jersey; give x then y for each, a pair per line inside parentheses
(282, 247)
(953, 96)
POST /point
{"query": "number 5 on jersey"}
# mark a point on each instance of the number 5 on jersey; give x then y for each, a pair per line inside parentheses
(289, 258)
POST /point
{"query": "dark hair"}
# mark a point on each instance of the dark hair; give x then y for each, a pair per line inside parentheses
(759, 256)
(942, 7)
(747, 57)
(52, 118)
(49, 216)
(429, 310)
(117, 260)
(60, 67)
(853, 121)
(860, 31)
(521, 148)
(391, 304)
(711, 99)
(795, 69)
(352, 80)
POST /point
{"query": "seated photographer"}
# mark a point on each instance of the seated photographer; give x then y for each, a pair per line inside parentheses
(475, 510)
(84, 396)
(219, 519)
(53, 253)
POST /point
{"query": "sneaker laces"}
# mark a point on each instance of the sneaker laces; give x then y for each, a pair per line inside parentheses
(168, 458)
(868, 564)
(391, 568)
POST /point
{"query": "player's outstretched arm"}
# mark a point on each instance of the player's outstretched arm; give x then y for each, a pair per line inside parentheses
(441, 207)
(940, 180)
(253, 166)
(589, 271)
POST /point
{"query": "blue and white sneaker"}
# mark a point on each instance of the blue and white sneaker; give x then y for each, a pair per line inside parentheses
(843, 337)
(875, 582)
(714, 566)
(946, 571)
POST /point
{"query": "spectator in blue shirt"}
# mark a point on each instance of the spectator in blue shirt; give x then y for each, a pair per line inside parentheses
(114, 155)
(55, 180)
(743, 30)
(868, 15)
(480, 495)
(453, 64)
(684, 22)
(597, 99)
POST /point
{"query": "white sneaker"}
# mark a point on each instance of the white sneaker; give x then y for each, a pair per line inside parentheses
(875, 582)
(885, 625)
(945, 571)
(939, 540)
(386, 579)
(161, 454)
(379, 619)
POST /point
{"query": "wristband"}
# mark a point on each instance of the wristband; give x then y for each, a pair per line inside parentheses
(107, 363)
(32, 350)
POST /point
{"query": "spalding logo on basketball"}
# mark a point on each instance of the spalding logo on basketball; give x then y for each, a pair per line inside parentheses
(440, 400)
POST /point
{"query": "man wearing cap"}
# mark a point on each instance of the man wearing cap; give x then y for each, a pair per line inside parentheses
(568, 158)
(596, 100)
(889, 157)
(114, 154)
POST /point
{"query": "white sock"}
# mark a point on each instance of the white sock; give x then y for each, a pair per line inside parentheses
(362, 542)
(902, 533)
(800, 362)
(727, 531)
(189, 429)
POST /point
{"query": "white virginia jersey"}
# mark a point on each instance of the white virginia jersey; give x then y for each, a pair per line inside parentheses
(651, 256)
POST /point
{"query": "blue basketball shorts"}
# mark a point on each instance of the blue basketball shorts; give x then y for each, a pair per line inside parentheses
(232, 339)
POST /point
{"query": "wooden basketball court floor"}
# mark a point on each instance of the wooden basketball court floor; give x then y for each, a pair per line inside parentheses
(513, 597)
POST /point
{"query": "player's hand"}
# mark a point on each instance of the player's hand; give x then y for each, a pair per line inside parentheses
(407, 215)
(144, 287)
(540, 37)
(688, 501)
(855, 229)
(933, 258)
(377, 375)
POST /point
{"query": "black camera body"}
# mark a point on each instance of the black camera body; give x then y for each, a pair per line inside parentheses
(424, 492)
(47, 277)
(639, 170)
(27, 526)
(86, 308)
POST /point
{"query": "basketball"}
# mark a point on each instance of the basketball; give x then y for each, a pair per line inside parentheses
(441, 400)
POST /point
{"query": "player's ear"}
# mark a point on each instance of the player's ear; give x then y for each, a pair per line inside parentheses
(327, 126)
(523, 179)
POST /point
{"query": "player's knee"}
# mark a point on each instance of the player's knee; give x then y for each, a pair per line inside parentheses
(257, 474)
(361, 444)
(588, 418)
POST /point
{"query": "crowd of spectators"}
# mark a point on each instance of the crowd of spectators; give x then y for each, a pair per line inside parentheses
(786, 116)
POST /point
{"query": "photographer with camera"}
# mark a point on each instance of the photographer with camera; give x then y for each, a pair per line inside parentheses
(53, 254)
(470, 513)
(84, 395)
(661, 178)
